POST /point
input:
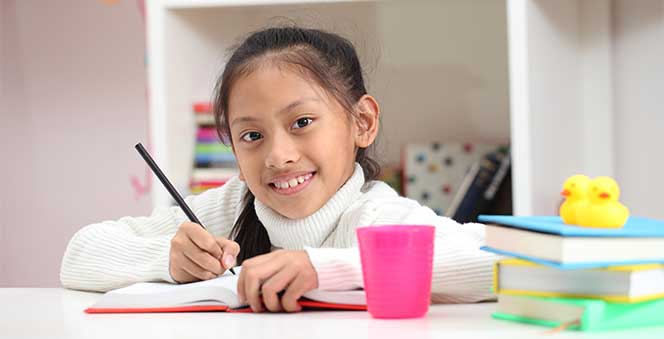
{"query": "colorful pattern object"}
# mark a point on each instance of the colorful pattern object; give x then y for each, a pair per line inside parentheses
(434, 171)
(214, 161)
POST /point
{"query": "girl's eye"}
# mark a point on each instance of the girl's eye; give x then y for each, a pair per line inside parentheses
(251, 136)
(302, 122)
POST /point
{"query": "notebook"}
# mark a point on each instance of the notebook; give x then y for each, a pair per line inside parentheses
(548, 241)
(633, 283)
(579, 314)
(219, 294)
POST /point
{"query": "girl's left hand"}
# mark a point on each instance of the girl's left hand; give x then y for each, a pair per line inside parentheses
(269, 274)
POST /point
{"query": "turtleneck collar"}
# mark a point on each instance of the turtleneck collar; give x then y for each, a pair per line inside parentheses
(312, 230)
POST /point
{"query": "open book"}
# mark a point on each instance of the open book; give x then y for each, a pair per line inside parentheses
(219, 294)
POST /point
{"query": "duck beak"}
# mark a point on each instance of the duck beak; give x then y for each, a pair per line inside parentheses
(565, 193)
(604, 195)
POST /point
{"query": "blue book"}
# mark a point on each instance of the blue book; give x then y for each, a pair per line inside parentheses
(215, 158)
(634, 227)
(548, 241)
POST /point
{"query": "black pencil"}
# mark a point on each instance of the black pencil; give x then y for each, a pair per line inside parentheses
(169, 187)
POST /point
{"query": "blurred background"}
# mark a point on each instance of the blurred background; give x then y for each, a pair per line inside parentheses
(73, 105)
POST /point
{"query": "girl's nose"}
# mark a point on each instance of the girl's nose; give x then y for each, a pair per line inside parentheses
(282, 151)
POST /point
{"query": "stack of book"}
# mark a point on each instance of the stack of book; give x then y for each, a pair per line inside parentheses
(214, 162)
(572, 277)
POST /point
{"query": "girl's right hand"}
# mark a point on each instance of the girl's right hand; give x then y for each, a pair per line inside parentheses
(198, 255)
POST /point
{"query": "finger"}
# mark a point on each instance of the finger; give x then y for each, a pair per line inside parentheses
(294, 292)
(193, 269)
(254, 277)
(252, 285)
(230, 250)
(177, 273)
(274, 285)
(247, 266)
(204, 260)
(203, 240)
(184, 277)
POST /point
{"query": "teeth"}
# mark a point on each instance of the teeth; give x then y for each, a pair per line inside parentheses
(292, 182)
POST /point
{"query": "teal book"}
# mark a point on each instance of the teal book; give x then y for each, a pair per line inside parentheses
(579, 314)
(635, 227)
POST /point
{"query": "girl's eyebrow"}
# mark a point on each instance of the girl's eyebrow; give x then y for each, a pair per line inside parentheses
(288, 107)
(296, 103)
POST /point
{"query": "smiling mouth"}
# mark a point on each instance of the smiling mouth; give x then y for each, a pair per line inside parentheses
(292, 185)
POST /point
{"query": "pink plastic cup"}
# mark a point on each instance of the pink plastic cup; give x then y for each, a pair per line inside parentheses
(396, 267)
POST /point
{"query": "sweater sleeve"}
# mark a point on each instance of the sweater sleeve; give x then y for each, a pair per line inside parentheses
(461, 271)
(114, 254)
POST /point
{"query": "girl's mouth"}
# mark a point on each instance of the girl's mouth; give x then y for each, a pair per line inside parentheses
(293, 185)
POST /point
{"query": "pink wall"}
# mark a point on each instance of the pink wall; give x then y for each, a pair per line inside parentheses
(73, 105)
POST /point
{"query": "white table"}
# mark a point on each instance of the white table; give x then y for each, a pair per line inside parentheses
(58, 313)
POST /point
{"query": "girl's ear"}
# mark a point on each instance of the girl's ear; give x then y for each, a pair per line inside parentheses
(366, 121)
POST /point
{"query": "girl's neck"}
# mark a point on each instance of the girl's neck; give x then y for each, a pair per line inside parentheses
(312, 230)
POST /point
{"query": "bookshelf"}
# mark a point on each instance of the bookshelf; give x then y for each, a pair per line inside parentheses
(538, 74)
(561, 100)
(584, 79)
(416, 66)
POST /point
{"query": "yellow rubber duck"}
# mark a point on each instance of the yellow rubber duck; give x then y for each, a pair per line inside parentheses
(603, 209)
(575, 191)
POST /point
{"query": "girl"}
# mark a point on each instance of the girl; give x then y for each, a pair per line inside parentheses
(293, 105)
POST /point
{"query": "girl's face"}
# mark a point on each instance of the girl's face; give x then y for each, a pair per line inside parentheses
(295, 146)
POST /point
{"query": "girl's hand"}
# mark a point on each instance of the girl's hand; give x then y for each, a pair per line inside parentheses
(197, 255)
(270, 274)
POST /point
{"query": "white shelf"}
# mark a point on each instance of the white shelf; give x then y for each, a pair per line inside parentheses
(438, 69)
(579, 95)
(561, 97)
(585, 92)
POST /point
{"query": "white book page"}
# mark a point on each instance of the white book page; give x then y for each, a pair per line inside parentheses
(221, 291)
(217, 291)
(227, 280)
(355, 297)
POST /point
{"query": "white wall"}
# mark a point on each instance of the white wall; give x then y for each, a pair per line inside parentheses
(442, 73)
(638, 64)
(73, 105)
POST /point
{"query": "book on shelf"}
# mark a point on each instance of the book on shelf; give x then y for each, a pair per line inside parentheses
(432, 172)
(203, 113)
(207, 134)
(214, 162)
(204, 119)
(218, 294)
(480, 186)
(579, 314)
(212, 174)
(629, 283)
(547, 240)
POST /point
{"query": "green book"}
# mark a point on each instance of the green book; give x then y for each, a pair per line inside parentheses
(579, 314)
(213, 148)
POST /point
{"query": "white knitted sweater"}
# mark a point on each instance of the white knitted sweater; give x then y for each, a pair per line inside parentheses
(113, 254)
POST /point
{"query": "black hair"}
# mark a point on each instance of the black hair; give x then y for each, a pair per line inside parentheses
(329, 60)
